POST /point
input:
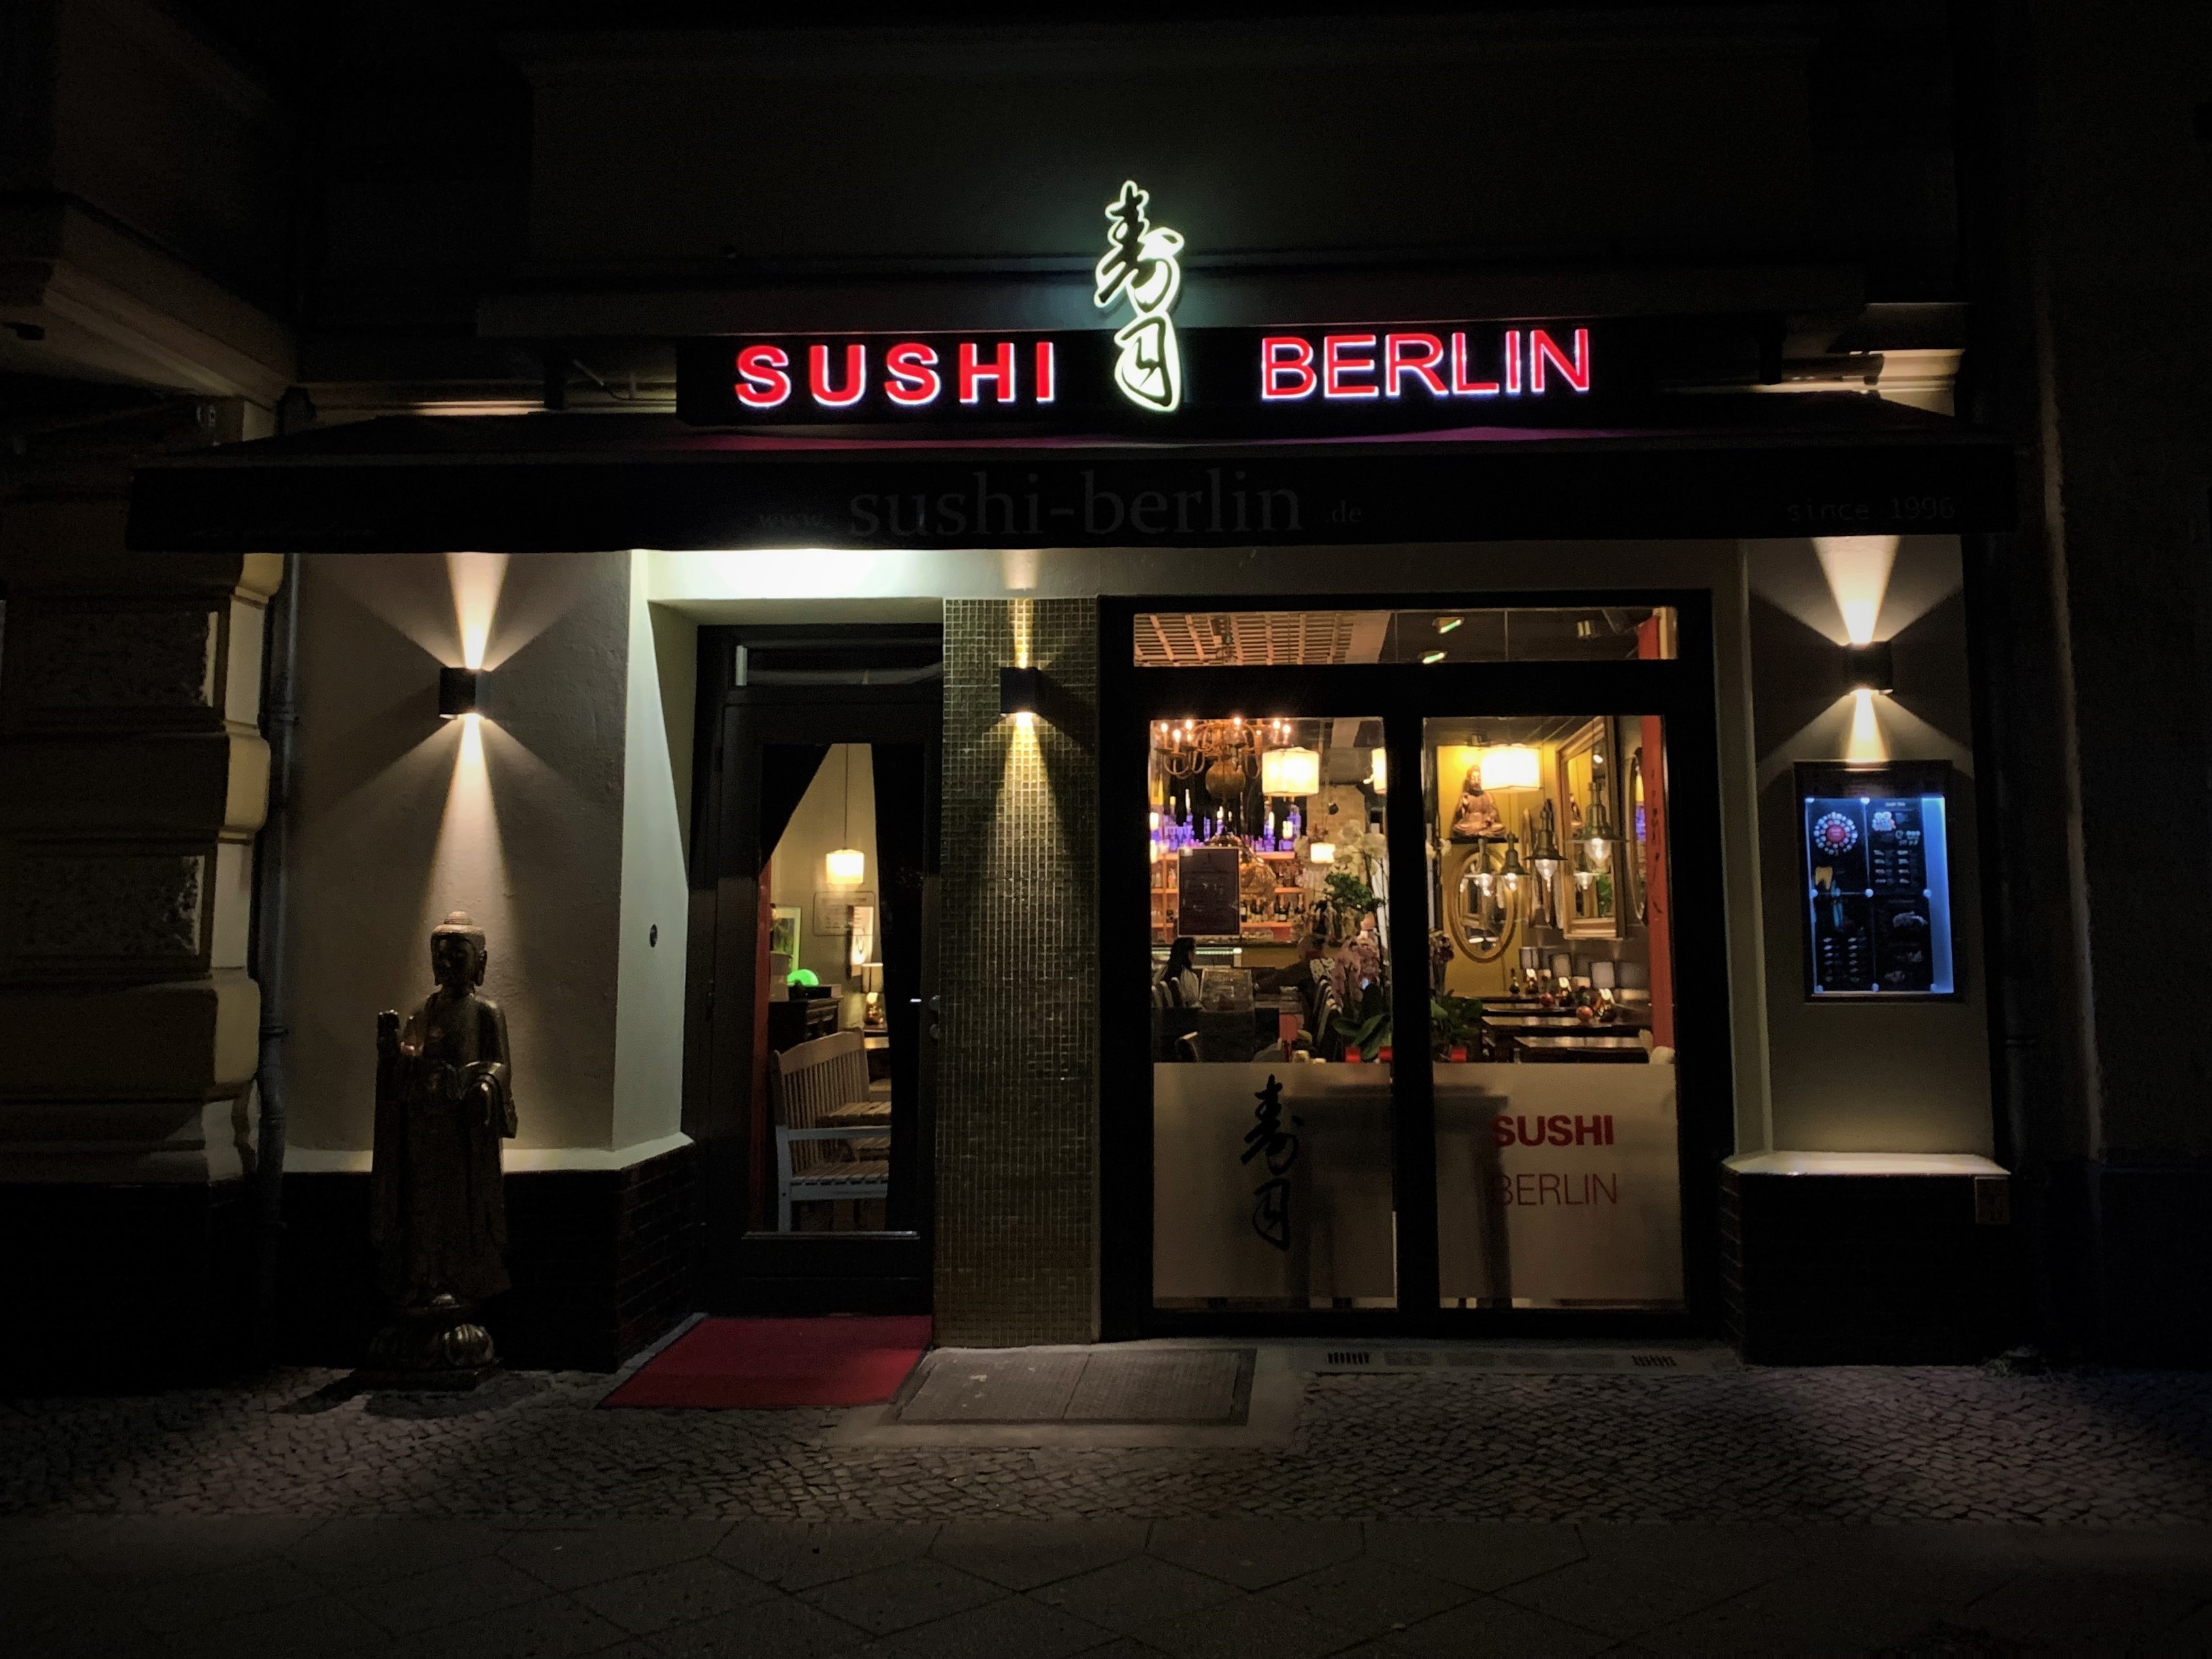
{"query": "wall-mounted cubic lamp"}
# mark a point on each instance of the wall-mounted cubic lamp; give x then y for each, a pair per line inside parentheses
(458, 692)
(1019, 690)
(1870, 667)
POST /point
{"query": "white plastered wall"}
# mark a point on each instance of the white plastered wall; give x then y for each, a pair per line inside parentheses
(817, 584)
(1907, 1077)
(556, 824)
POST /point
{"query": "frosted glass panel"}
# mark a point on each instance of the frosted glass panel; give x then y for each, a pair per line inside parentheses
(1257, 1207)
(1558, 1185)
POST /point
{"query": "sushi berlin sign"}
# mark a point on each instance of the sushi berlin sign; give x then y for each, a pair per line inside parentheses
(1146, 375)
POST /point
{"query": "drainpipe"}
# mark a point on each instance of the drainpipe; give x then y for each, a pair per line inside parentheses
(278, 719)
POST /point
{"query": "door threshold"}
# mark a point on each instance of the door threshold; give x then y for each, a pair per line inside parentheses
(1190, 1395)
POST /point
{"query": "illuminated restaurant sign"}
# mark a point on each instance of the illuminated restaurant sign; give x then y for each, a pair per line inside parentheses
(1146, 377)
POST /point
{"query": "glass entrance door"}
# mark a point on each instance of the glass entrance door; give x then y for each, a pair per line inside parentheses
(1401, 1040)
(1551, 1036)
(1271, 1014)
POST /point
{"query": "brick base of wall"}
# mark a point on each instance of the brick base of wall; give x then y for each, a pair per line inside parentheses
(603, 1262)
(125, 1285)
(1827, 1270)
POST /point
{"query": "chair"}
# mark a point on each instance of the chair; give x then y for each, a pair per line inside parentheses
(818, 1093)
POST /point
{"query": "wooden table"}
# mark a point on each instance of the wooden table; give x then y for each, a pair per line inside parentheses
(1613, 1050)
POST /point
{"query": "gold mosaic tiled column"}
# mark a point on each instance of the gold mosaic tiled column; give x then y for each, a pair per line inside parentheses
(1018, 1070)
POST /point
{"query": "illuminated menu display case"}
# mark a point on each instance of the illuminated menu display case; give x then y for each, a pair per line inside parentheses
(1875, 859)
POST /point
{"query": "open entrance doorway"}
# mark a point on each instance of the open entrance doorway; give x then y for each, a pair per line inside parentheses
(813, 966)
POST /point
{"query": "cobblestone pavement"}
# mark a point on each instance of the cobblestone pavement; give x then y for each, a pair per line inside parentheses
(1844, 1445)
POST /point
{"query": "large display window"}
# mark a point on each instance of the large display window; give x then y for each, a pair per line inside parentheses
(1415, 913)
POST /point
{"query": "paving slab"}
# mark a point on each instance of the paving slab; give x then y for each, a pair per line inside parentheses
(909, 1593)
(1130, 1594)
(1635, 1579)
(1246, 1627)
(446, 1595)
(551, 1627)
(1489, 1628)
(1482, 1555)
(1024, 1555)
(1013, 1627)
(1254, 1555)
(799, 1556)
(783, 1629)
(679, 1593)
(568, 1555)
(352, 1551)
(1368, 1596)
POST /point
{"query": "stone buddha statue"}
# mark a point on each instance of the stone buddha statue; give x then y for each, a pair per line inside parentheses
(443, 1105)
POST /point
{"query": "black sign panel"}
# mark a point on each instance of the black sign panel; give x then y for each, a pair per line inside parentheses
(1239, 382)
(1209, 893)
(416, 487)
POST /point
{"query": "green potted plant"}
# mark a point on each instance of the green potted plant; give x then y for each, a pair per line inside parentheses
(1366, 1030)
(1453, 1022)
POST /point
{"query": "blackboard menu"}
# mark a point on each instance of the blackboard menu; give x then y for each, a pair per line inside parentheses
(1209, 896)
(1876, 863)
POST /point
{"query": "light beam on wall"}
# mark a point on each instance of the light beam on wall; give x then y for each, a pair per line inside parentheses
(1857, 569)
(477, 579)
(1866, 742)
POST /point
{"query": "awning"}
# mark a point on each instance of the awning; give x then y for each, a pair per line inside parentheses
(1750, 465)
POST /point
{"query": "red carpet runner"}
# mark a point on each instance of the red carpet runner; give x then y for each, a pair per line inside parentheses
(727, 1364)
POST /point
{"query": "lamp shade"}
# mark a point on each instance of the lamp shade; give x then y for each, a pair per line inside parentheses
(1379, 776)
(1514, 766)
(872, 975)
(1321, 852)
(1290, 772)
(846, 865)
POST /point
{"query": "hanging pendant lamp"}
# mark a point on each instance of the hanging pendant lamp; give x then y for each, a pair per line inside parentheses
(847, 864)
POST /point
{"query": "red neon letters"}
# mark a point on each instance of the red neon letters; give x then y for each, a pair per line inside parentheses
(914, 376)
(973, 371)
(1286, 370)
(1407, 366)
(761, 382)
(856, 376)
(1414, 364)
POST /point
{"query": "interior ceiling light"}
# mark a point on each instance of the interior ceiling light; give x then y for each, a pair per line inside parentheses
(1445, 624)
(1513, 766)
(1290, 772)
(847, 864)
(1428, 657)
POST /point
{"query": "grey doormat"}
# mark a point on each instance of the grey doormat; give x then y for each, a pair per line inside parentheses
(1211, 1386)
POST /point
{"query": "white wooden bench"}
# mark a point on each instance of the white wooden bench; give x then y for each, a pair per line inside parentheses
(818, 1093)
